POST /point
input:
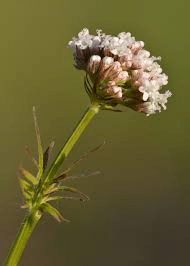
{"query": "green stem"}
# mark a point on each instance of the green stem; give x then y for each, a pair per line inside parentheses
(23, 235)
(31, 221)
(83, 123)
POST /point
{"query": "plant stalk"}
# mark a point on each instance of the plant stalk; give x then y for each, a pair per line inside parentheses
(23, 235)
(83, 123)
(32, 219)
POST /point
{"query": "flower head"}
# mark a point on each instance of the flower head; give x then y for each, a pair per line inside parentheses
(120, 71)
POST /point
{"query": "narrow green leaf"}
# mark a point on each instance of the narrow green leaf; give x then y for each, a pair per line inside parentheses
(63, 197)
(83, 175)
(27, 205)
(27, 195)
(74, 190)
(47, 154)
(51, 198)
(64, 175)
(46, 207)
(51, 189)
(84, 156)
(26, 188)
(25, 185)
(40, 150)
(73, 198)
(28, 176)
(61, 176)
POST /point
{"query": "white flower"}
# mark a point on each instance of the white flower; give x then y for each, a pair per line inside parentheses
(121, 71)
(107, 60)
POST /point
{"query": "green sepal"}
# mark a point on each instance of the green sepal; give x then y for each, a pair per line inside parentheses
(103, 83)
(46, 207)
(121, 83)
(110, 108)
(32, 179)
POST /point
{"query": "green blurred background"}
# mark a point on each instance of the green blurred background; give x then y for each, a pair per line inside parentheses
(139, 209)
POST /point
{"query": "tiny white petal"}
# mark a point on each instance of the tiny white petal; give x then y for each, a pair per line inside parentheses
(95, 58)
(145, 96)
(107, 60)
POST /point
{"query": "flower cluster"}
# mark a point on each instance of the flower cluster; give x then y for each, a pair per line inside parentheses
(120, 71)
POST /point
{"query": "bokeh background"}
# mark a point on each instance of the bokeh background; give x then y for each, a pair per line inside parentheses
(139, 212)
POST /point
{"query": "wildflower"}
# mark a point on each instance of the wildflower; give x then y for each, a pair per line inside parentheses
(120, 71)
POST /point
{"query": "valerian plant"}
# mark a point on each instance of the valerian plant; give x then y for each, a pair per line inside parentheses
(118, 71)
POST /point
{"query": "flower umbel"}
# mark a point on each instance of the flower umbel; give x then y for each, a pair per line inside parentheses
(120, 71)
